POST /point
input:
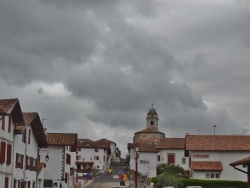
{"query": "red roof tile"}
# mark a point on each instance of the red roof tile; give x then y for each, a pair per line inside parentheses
(86, 143)
(64, 139)
(7, 104)
(206, 165)
(218, 142)
(171, 143)
(241, 162)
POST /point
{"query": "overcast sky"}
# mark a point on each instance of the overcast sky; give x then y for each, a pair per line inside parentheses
(95, 67)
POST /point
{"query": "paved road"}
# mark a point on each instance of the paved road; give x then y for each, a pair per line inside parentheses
(104, 181)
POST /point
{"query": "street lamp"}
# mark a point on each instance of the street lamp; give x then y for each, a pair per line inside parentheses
(214, 128)
(136, 165)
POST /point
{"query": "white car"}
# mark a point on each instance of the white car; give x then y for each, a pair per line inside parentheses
(193, 187)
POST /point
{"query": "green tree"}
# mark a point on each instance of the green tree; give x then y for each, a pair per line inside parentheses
(176, 170)
(167, 179)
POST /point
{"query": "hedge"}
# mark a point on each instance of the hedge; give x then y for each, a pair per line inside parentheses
(47, 183)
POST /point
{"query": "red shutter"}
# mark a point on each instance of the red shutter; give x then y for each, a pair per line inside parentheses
(28, 184)
(6, 182)
(9, 147)
(14, 183)
(29, 137)
(9, 127)
(69, 159)
(66, 177)
(31, 164)
(171, 158)
(3, 122)
(2, 155)
(17, 160)
(22, 161)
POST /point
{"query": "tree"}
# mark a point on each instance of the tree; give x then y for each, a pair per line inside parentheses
(170, 169)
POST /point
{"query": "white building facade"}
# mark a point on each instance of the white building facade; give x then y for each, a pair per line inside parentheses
(58, 167)
(210, 156)
(28, 139)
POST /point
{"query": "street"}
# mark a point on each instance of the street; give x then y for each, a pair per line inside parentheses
(104, 181)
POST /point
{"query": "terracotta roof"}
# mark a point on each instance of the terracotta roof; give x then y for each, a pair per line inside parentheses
(218, 142)
(171, 143)
(144, 146)
(149, 130)
(241, 162)
(206, 165)
(28, 118)
(63, 139)
(12, 107)
(86, 143)
(7, 104)
(147, 147)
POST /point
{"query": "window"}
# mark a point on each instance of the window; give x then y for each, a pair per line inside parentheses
(158, 157)
(9, 149)
(27, 162)
(217, 175)
(87, 166)
(29, 137)
(2, 155)
(9, 125)
(96, 157)
(24, 136)
(6, 182)
(212, 175)
(151, 122)
(207, 176)
(68, 159)
(3, 122)
(170, 158)
(78, 157)
(183, 160)
(66, 177)
(78, 149)
(96, 150)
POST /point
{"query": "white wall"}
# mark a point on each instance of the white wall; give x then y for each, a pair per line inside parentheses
(179, 155)
(226, 157)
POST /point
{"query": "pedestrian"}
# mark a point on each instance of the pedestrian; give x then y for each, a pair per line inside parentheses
(107, 171)
(110, 171)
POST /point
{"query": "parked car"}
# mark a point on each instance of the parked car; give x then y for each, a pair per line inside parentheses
(193, 187)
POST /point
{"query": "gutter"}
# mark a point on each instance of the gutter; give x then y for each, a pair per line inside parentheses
(240, 170)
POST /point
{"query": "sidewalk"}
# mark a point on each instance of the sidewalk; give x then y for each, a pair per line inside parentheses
(81, 183)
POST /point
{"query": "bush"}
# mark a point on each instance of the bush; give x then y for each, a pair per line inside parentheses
(47, 183)
(154, 180)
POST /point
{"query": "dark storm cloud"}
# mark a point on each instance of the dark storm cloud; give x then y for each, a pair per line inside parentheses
(94, 67)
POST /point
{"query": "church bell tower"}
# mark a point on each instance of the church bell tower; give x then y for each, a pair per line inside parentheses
(152, 118)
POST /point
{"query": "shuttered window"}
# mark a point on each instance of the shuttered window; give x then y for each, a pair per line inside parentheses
(66, 177)
(6, 182)
(9, 149)
(158, 157)
(171, 158)
(3, 122)
(2, 155)
(29, 137)
(21, 161)
(9, 125)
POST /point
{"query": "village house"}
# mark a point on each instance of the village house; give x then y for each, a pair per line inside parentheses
(58, 167)
(29, 138)
(210, 156)
(94, 155)
(10, 116)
